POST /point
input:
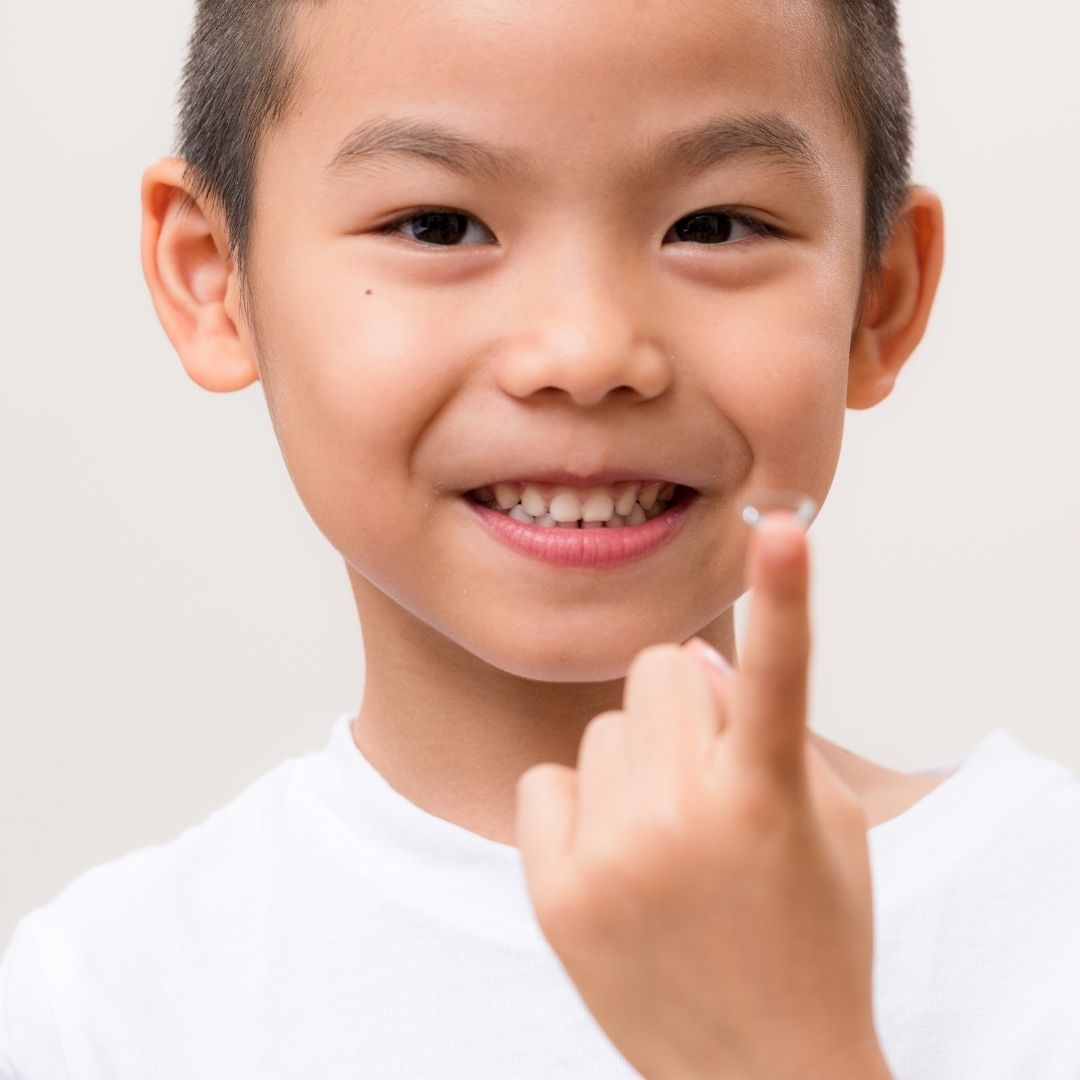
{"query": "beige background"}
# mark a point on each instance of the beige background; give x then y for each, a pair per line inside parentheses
(172, 624)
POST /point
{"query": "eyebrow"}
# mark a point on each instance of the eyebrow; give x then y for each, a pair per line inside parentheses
(690, 151)
(718, 140)
(391, 136)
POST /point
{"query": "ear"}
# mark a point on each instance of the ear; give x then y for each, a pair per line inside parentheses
(896, 307)
(192, 279)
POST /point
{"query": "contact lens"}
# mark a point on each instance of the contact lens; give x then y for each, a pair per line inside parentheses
(757, 507)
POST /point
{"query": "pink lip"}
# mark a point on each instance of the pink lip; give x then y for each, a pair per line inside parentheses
(590, 548)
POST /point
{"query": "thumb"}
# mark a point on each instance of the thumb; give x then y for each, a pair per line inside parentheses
(544, 823)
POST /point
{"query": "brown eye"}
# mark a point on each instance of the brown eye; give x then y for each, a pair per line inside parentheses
(713, 227)
(436, 228)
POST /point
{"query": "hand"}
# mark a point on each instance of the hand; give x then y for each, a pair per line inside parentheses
(703, 874)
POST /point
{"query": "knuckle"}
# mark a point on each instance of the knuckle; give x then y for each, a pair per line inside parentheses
(674, 817)
(668, 821)
(659, 831)
(598, 733)
(657, 657)
(608, 866)
(560, 908)
(577, 908)
(622, 873)
(605, 721)
(630, 861)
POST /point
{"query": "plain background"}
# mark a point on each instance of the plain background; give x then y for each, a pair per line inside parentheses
(172, 624)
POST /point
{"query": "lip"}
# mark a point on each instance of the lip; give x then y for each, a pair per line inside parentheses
(592, 549)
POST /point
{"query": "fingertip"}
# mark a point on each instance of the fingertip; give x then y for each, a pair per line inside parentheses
(545, 798)
(764, 504)
(779, 559)
(713, 658)
(781, 537)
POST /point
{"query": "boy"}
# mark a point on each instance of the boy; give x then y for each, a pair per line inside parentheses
(539, 295)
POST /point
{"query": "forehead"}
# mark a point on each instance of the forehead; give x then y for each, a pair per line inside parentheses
(564, 85)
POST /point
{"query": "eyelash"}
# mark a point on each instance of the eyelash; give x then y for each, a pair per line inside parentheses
(755, 225)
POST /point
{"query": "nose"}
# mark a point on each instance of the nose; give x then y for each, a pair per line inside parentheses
(586, 338)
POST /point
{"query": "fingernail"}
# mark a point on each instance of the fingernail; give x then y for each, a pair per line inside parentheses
(707, 652)
(763, 503)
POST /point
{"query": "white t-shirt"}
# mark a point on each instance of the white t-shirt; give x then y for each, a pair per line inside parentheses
(321, 926)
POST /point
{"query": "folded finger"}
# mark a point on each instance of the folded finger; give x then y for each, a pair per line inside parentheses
(671, 715)
(603, 776)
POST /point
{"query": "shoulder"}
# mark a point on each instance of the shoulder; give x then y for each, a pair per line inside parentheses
(1047, 790)
(30, 1043)
(126, 936)
(1024, 861)
(159, 892)
(1047, 820)
(119, 896)
(1005, 822)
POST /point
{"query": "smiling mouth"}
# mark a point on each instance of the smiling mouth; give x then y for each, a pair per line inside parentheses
(610, 506)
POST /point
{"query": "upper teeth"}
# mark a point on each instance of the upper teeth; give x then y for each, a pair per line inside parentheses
(568, 505)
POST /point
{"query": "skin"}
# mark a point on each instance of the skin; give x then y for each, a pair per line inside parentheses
(581, 333)
(704, 871)
(571, 330)
(447, 366)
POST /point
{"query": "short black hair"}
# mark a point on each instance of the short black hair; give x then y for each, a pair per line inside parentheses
(870, 75)
(242, 68)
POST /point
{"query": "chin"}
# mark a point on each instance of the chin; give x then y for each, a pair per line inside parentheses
(593, 655)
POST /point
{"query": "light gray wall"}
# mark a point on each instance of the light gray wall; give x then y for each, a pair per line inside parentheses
(172, 624)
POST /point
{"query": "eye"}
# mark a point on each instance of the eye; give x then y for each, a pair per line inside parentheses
(435, 227)
(718, 227)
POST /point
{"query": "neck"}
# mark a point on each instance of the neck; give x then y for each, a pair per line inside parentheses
(452, 734)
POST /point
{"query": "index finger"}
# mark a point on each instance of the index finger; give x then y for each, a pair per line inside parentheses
(768, 728)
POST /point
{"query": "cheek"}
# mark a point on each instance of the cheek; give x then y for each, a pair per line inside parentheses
(352, 379)
(782, 378)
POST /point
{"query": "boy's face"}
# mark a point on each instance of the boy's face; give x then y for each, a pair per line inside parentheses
(578, 319)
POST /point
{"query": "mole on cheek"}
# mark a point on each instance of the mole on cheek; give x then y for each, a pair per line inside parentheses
(368, 293)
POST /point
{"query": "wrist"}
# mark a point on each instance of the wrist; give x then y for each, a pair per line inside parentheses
(862, 1068)
(867, 1063)
(859, 1061)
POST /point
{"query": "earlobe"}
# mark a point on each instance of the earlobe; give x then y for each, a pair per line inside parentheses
(192, 280)
(897, 307)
